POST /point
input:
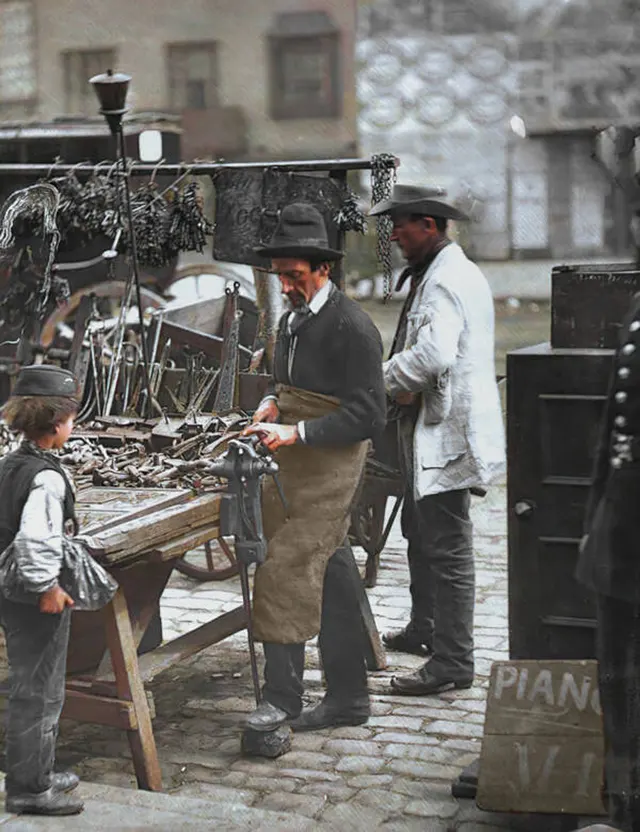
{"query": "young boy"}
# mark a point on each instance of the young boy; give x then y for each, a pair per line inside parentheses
(36, 501)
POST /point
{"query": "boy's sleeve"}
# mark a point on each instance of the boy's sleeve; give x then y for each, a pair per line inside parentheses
(38, 543)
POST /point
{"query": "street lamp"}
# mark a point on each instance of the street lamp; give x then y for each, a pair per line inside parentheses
(111, 90)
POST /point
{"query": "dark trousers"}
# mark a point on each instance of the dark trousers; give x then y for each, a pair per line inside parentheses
(618, 651)
(37, 654)
(341, 643)
(440, 553)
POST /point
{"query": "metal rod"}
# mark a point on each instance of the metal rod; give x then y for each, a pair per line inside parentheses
(196, 168)
(136, 273)
(243, 569)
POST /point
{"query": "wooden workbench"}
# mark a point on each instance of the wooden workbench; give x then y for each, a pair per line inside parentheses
(137, 534)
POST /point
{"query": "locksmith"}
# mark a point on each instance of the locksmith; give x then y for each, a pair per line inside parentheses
(326, 401)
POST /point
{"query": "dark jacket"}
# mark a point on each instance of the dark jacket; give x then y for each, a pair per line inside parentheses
(338, 352)
(610, 561)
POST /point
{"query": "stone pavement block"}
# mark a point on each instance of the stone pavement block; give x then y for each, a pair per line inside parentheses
(360, 765)
(306, 760)
(268, 784)
(405, 785)
(365, 748)
(400, 737)
(415, 825)
(309, 775)
(229, 704)
(407, 723)
(218, 794)
(425, 771)
(427, 808)
(366, 781)
(301, 804)
(454, 729)
(308, 742)
(333, 792)
(382, 799)
(354, 817)
(380, 708)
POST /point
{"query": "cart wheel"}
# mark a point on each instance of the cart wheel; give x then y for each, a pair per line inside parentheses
(367, 528)
(217, 564)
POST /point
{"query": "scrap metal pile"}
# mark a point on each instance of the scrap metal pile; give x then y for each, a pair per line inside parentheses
(136, 455)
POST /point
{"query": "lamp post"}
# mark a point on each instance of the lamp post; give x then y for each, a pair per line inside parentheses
(111, 90)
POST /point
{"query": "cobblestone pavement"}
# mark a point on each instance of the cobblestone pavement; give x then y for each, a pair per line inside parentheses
(395, 773)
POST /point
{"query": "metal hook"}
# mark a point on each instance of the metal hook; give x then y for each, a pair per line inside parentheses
(154, 173)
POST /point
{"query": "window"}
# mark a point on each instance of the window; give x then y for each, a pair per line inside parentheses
(17, 51)
(305, 67)
(193, 76)
(79, 67)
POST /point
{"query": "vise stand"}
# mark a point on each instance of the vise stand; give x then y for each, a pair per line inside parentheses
(243, 465)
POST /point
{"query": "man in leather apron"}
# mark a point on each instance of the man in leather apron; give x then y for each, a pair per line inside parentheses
(326, 401)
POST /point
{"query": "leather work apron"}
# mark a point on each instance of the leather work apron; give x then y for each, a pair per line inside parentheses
(320, 485)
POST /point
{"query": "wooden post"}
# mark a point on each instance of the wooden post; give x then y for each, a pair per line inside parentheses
(129, 687)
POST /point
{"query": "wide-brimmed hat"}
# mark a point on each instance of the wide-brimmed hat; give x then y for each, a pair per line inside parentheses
(45, 380)
(301, 232)
(407, 199)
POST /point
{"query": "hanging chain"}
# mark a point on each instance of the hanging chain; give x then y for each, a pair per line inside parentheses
(349, 216)
(383, 175)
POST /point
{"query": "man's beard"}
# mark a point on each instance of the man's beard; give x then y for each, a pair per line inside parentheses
(295, 300)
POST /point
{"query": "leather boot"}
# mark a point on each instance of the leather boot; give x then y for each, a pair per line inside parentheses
(64, 781)
(331, 713)
(51, 802)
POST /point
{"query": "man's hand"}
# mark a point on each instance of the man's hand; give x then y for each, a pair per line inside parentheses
(54, 600)
(405, 398)
(267, 412)
(274, 436)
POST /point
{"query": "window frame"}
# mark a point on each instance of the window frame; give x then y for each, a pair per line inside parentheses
(82, 58)
(181, 50)
(309, 108)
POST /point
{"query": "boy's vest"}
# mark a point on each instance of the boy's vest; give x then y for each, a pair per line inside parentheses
(17, 471)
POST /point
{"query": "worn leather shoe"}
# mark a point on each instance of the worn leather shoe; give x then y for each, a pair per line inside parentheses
(65, 781)
(266, 717)
(330, 714)
(51, 802)
(407, 641)
(425, 683)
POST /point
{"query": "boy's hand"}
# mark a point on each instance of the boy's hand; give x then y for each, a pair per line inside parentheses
(54, 600)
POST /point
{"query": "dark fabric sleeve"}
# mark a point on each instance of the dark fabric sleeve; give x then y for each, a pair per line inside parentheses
(362, 411)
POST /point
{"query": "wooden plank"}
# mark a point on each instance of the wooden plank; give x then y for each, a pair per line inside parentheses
(375, 655)
(105, 689)
(179, 547)
(129, 688)
(101, 710)
(151, 664)
(141, 534)
(543, 747)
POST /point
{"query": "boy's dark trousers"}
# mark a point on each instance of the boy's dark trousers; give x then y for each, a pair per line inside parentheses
(37, 653)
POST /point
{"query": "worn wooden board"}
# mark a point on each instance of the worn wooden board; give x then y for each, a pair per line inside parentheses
(543, 747)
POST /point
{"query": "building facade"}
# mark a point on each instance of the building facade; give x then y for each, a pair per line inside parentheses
(250, 79)
(500, 103)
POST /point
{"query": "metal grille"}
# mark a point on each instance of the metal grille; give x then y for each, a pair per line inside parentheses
(383, 175)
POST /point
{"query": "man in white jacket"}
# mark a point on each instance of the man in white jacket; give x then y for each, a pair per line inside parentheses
(441, 380)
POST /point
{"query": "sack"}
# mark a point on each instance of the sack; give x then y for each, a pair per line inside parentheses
(86, 581)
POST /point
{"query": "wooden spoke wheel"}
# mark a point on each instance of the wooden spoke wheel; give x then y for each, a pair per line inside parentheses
(217, 563)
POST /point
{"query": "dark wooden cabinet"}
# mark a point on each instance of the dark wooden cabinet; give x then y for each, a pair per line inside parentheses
(555, 400)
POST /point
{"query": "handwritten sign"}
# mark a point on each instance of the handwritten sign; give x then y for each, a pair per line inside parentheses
(543, 747)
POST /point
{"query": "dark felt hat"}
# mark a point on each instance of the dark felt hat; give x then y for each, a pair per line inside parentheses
(45, 380)
(407, 199)
(301, 232)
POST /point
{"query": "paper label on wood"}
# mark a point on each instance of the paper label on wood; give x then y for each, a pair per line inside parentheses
(543, 748)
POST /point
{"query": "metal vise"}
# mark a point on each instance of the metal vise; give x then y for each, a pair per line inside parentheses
(244, 465)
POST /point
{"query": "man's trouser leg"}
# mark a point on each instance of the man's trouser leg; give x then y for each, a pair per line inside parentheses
(342, 636)
(37, 653)
(446, 544)
(421, 586)
(283, 673)
(618, 651)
